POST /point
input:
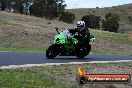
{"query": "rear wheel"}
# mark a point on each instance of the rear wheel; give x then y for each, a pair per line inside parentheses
(51, 52)
(88, 48)
(82, 52)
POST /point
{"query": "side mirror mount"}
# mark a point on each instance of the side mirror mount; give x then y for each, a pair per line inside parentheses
(56, 28)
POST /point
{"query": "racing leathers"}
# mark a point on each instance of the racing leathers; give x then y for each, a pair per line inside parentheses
(83, 36)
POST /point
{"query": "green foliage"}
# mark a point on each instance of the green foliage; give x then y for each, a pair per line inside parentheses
(91, 21)
(19, 6)
(130, 18)
(67, 17)
(3, 5)
(97, 7)
(47, 8)
(110, 23)
(7, 3)
(114, 16)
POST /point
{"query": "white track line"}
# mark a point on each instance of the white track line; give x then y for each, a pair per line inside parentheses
(50, 64)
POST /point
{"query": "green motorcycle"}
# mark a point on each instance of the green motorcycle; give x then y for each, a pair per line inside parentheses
(65, 45)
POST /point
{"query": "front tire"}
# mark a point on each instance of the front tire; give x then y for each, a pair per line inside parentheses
(51, 52)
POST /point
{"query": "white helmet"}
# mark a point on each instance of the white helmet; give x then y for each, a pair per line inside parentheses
(80, 25)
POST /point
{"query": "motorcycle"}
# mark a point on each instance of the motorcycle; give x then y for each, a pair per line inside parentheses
(65, 45)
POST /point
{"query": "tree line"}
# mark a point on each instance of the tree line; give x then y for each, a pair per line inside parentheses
(51, 9)
(109, 23)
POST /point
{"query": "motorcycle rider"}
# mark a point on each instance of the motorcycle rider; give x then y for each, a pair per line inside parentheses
(81, 32)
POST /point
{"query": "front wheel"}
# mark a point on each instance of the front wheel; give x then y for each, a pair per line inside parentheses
(51, 52)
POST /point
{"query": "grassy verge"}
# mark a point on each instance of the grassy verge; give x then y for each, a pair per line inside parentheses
(26, 79)
(117, 37)
(103, 52)
(61, 76)
(111, 43)
(12, 49)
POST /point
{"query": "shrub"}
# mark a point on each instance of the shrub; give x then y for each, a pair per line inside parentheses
(91, 21)
(67, 17)
(130, 18)
(110, 23)
(3, 5)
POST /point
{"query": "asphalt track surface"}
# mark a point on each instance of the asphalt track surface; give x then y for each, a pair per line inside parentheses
(21, 58)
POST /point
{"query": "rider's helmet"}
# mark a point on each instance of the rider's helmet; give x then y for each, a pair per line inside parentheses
(80, 25)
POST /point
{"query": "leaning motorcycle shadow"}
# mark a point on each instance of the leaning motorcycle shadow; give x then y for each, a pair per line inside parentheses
(70, 58)
(90, 58)
(81, 59)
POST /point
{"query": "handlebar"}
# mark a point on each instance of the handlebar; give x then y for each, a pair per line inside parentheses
(57, 30)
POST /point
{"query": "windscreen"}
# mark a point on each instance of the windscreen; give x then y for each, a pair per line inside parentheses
(66, 33)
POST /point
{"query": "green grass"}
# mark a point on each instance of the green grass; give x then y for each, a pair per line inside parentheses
(35, 77)
(26, 79)
(102, 52)
(12, 49)
(43, 50)
(58, 76)
(111, 43)
(117, 37)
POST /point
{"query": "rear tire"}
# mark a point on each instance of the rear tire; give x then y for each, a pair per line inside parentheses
(51, 52)
(82, 52)
(89, 48)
